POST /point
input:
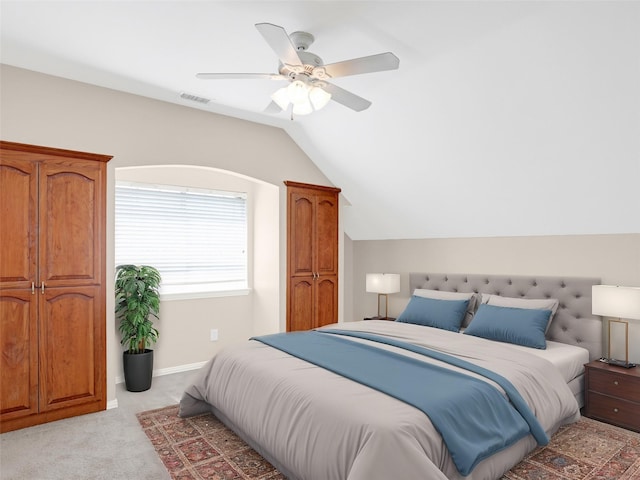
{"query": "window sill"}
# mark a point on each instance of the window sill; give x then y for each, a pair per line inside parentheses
(164, 297)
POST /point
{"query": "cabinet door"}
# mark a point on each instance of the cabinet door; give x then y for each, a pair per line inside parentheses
(71, 222)
(301, 234)
(72, 347)
(18, 204)
(19, 359)
(301, 304)
(326, 300)
(326, 234)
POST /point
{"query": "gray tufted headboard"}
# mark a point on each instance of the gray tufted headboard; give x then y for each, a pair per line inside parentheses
(573, 323)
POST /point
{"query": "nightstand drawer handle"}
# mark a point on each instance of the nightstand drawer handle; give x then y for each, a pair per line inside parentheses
(615, 410)
(615, 382)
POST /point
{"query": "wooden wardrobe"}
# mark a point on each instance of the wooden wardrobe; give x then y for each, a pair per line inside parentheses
(52, 284)
(312, 255)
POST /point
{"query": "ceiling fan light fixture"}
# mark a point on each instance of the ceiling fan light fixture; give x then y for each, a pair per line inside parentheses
(281, 98)
(319, 97)
(298, 92)
(302, 108)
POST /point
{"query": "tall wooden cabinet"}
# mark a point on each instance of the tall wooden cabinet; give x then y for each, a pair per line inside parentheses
(312, 255)
(52, 285)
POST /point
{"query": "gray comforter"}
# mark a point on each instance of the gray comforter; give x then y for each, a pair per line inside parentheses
(313, 424)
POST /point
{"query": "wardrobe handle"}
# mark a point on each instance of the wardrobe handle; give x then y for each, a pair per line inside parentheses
(33, 288)
(42, 287)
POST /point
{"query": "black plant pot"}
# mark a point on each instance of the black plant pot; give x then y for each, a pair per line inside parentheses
(138, 370)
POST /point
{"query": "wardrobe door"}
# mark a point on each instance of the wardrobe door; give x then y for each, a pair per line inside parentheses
(326, 300)
(19, 358)
(301, 297)
(71, 219)
(326, 234)
(71, 347)
(301, 233)
(18, 225)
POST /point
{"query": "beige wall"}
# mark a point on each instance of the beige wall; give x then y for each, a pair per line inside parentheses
(185, 324)
(51, 111)
(615, 259)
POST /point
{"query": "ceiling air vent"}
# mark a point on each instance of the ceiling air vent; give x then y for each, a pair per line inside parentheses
(194, 98)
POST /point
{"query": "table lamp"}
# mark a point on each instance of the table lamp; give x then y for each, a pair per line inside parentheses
(620, 303)
(383, 284)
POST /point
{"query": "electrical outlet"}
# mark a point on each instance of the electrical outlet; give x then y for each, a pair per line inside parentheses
(214, 335)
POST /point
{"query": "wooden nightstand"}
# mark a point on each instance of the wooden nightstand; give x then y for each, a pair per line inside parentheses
(612, 394)
(391, 319)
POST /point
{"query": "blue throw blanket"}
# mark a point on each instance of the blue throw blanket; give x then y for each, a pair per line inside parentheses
(480, 424)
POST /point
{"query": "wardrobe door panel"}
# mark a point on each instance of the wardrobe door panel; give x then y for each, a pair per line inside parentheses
(300, 299)
(19, 358)
(326, 301)
(18, 227)
(327, 234)
(71, 223)
(71, 347)
(301, 218)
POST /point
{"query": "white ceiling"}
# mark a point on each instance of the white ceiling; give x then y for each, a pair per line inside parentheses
(504, 118)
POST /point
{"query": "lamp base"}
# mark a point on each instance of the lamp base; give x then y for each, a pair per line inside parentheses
(617, 363)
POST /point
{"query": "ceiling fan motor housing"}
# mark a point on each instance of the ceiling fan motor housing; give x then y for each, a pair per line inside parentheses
(301, 40)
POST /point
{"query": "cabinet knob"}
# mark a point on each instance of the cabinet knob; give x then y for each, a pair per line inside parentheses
(615, 382)
(615, 410)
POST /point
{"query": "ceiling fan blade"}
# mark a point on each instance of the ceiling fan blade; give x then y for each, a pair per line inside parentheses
(280, 42)
(348, 99)
(356, 66)
(241, 76)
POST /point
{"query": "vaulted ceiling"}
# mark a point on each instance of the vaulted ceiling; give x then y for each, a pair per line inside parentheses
(504, 118)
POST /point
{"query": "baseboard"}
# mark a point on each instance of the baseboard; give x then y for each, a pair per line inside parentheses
(112, 404)
(170, 370)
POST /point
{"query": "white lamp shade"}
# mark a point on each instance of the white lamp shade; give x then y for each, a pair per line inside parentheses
(302, 108)
(281, 97)
(319, 98)
(298, 92)
(383, 282)
(614, 301)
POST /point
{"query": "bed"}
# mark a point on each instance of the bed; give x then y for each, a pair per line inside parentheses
(313, 423)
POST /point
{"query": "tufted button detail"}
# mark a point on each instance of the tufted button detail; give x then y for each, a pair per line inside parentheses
(535, 284)
(475, 290)
(446, 279)
(564, 329)
(563, 285)
(486, 281)
(510, 282)
(578, 295)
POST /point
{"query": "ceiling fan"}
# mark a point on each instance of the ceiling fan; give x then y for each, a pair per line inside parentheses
(308, 76)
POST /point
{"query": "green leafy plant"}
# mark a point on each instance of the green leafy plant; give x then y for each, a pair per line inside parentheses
(137, 300)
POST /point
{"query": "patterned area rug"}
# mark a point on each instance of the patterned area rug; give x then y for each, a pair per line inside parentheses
(202, 448)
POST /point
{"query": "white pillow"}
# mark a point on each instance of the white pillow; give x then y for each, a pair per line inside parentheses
(441, 295)
(527, 303)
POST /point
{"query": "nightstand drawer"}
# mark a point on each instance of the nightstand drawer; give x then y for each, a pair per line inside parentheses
(616, 385)
(614, 410)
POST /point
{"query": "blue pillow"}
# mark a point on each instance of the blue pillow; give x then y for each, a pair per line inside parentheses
(430, 312)
(520, 326)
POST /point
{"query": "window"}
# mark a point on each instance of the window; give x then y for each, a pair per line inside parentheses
(196, 238)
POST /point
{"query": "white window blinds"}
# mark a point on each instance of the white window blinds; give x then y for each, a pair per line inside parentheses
(196, 238)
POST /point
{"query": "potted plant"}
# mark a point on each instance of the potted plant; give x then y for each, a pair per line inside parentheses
(137, 300)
